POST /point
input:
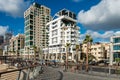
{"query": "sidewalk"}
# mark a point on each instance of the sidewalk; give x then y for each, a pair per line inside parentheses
(8, 76)
(3, 67)
(92, 74)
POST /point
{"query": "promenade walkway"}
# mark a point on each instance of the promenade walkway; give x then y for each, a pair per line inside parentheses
(54, 73)
(8, 76)
(50, 74)
(58, 74)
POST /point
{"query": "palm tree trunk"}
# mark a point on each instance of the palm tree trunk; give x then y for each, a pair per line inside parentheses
(35, 56)
(87, 58)
(66, 58)
(28, 52)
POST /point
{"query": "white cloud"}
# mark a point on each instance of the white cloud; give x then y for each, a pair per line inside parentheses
(3, 29)
(99, 37)
(14, 8)
(103, 16)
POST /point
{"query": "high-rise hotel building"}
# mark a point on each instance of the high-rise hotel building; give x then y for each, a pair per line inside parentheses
(36, 17)
(63, 30)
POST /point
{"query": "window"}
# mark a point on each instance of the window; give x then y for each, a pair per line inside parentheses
(116, 47)
(54, 40)
(95, 48)
(116, 40)
(54, 32)
(53, 27)
(54, 22)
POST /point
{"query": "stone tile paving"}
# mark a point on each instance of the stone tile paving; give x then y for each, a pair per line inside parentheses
(58, 74)
(49, 74)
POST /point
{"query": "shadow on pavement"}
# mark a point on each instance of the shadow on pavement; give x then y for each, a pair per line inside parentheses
(61, 75)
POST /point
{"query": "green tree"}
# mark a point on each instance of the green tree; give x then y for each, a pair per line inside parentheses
(88, 40)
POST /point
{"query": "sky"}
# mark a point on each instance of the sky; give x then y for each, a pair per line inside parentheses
(99, 18)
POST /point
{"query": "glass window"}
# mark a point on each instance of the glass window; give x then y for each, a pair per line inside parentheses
(116, 47)
(116, 40)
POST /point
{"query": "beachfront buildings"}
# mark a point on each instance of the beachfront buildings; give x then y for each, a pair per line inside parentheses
(16, 44)
(62, 31)
(36, 17)
(36, 34)
(100, 51)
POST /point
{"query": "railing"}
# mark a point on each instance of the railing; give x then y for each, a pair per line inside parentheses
(25, 73)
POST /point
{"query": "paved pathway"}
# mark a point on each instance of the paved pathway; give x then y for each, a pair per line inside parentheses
(57, 74)
(74, 76)
(50, 74)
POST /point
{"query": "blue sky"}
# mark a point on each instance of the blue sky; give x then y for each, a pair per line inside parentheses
(96, 17)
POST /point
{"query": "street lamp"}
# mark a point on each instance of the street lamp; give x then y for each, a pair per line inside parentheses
(111, 56)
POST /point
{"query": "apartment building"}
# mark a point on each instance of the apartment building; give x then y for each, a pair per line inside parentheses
(16, 43)
(36, 17)
(99, 50)
(36, 31)
(115, 46)
(62, 30)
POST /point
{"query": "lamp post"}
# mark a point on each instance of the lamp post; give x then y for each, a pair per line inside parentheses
(111, 53)
(111, 57)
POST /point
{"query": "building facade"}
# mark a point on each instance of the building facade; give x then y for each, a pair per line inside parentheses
(115, 40)
(16, 44)
(36, 17)
(62, 31)
(100, 51)
(1, 39)
(7, 37)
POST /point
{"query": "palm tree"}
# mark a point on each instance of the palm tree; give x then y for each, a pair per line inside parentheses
(28, 52)
(91, 57)
(9, 53)
(77, 49)
(40, 53)
(1, 52)
(88, 40)
(17, 53)
(35, 51)
(13, 53)
(67, 48)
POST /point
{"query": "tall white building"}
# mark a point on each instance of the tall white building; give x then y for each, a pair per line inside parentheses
(63, 30)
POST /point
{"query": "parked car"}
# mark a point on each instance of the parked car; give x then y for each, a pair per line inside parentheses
(92, 63)
(103, 62)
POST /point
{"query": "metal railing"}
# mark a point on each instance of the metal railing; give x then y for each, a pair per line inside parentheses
(24, 73)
